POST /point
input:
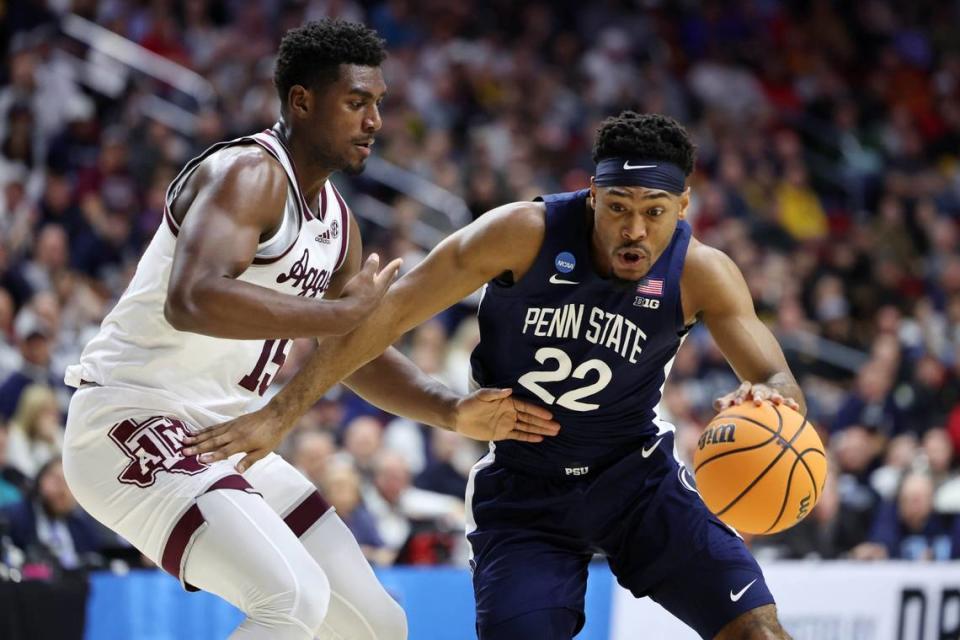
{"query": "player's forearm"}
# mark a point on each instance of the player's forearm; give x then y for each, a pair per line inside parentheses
(786, 385)
(229, 308)
(395, 384)
(332, 361)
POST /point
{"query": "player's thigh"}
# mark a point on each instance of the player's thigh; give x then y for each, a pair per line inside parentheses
(518, 568)
(685, 559)
(360, 607)
(125, 468)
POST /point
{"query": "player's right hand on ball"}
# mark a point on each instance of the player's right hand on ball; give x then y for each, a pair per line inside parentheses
(365, 290)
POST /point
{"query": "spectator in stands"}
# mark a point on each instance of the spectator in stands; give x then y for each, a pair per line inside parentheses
(48, 525)
(442, 474)
(312, 450)
(13, 484)
(36, 433)
(908, 528)
(341, 487)
(34, 339)
(871, 403)
(361, 442)
(395, 503)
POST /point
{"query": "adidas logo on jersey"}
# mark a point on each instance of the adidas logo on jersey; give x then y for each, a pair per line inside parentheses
(330, 234)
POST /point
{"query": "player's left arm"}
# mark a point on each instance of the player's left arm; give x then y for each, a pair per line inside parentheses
(391, 381)
(715, 289)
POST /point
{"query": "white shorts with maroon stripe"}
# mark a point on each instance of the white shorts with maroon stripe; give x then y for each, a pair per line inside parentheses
(122, 460)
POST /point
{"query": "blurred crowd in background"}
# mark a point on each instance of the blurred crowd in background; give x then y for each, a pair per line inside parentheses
(828, 138)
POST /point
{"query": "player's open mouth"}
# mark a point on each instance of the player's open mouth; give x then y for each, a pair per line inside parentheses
(631, 257)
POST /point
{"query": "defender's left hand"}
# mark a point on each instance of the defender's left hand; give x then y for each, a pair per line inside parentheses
(758, 393)
(492, 414)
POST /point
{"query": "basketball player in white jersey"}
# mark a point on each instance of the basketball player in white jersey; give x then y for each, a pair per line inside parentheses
(254, 235)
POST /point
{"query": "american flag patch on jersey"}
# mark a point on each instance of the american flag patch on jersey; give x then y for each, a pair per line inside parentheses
(651, 286)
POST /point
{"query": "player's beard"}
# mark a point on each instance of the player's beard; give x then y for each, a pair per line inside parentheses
(337, 162)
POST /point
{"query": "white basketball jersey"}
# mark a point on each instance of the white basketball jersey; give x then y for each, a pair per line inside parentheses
(136, 348)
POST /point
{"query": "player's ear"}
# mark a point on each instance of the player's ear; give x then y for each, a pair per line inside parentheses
(684, 203)
(299, 101)
(592, 200)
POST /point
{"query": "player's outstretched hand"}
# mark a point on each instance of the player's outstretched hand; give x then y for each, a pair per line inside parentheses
(758, 393)
(366, 289)
(255, 434)
(493, 414)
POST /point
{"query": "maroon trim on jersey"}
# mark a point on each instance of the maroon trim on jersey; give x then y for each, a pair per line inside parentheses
(303, 201)
(305, 514)
(345, 221)
(170, 221)
(186, 528)
(234, 481)
(323, 202)
(259, 261)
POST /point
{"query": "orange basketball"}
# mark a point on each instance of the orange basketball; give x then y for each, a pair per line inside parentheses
(760, 469)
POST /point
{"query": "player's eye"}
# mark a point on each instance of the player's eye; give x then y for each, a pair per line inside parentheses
(617, 207)
(356, 106)
(655, 211)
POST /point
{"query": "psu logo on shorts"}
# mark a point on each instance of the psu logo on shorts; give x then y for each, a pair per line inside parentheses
(153, 445)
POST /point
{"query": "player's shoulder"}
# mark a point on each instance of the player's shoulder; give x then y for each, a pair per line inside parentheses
(239, 163)
(704, 262)
(709, 275)
(520, 213)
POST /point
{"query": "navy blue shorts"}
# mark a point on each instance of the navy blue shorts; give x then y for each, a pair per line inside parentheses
(535, 535)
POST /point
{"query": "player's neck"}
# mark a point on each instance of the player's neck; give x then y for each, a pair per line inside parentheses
(310, 175)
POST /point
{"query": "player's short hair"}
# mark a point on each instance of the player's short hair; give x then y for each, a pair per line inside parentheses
(650, 136)
(311, 55)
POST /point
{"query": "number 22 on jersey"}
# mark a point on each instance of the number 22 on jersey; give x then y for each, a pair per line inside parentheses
(563, 369)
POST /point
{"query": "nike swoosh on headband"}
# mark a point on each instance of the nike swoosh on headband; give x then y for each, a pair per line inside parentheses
(627, 165)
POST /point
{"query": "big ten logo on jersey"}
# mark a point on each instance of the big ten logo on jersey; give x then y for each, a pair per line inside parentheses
(153, 445)
(310, 280)
(716, 435)
(646, 303)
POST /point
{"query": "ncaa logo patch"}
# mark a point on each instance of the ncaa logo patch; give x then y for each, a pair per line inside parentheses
(565, 262)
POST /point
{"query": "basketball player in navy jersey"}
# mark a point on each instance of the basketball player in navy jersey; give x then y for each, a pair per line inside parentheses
(588, 297)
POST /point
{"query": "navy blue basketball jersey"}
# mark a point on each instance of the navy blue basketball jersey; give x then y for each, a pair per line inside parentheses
(594, 351)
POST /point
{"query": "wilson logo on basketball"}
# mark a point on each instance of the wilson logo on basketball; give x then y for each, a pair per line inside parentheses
(716, 435)
(804, 507)
(153, 445)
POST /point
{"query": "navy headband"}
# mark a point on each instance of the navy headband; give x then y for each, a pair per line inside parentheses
(631, 172)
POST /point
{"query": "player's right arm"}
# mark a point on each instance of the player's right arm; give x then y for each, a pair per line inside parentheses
(506, 239)
(233, 200)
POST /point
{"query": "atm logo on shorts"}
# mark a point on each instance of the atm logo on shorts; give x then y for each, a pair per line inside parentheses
(153, 445)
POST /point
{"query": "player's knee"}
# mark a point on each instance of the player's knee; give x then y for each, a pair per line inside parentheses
(314, 599)
(390, 622)
(300, 597)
